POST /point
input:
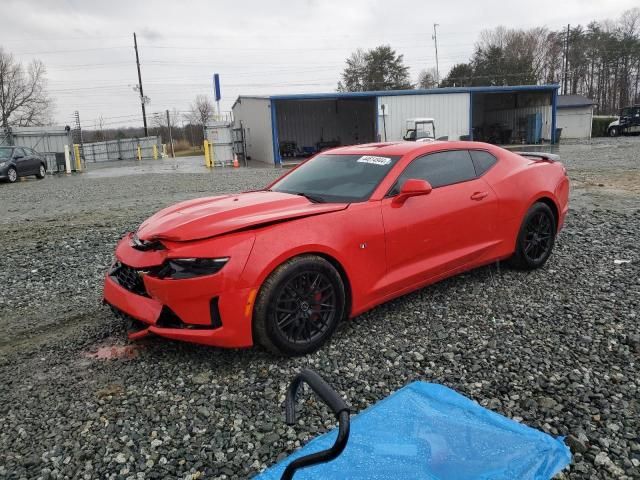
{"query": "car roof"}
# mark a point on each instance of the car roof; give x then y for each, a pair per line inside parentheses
(404, 148)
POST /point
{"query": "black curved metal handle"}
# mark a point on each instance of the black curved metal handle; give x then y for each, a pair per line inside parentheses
(321, 388)
(329, 396)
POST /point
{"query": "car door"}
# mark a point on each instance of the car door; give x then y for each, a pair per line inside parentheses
(635, 121)
(30, 161)
(430, 235)
(21, 161)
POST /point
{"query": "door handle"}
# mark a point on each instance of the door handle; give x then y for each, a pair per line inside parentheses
(479, 195)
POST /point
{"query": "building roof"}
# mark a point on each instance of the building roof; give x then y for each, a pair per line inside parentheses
(574, 101)
(393, 93)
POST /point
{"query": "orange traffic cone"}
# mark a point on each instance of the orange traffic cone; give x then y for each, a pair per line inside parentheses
(235, 161)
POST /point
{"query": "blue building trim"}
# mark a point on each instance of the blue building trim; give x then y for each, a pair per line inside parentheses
(471, 116)
(274, 135)
(554, 109)
(377, 133)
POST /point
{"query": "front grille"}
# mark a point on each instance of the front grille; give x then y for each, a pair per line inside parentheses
(129, 278)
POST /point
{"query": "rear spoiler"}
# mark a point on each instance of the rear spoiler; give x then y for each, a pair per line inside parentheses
(541, 156)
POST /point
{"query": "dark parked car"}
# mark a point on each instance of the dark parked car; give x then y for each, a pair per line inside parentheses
(19, 162)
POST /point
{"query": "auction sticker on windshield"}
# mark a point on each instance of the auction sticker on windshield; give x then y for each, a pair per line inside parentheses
(373, 160)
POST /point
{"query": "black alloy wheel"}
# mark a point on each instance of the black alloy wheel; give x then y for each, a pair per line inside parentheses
(299, 306)
(305, 307)
(536, 238)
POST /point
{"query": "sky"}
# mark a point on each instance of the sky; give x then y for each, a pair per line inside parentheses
(257, 46)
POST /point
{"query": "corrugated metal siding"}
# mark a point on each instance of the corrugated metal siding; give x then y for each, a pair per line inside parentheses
(255, 115)
(41, 139)
(450, 111)
(307, 122)
(575, 122)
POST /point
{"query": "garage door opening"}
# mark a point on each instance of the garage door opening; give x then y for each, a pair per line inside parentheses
(306, 126)
(506, 118)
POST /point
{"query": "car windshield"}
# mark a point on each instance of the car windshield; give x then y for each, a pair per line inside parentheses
(337, 178)
(424, 130)
(5, 153)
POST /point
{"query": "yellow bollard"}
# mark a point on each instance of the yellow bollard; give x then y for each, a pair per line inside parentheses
(139, 153)
(164, 150)
(212, 156)
(155, 152)
(76, 151)
(205, 146)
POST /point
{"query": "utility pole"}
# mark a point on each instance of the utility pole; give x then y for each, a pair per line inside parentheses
(566, 60)
(435, 39)
(173, 154)
(142, 99)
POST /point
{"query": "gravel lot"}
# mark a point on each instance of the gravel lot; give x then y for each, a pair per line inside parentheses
(556, 349)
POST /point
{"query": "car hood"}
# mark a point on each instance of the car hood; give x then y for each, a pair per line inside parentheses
(211, 216)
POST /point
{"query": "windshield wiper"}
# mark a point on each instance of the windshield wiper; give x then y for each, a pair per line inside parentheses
(311, 198)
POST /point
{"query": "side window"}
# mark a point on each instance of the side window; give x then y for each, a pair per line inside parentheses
(440, 169)
(18, 152)
(28, 151)
(482, 161)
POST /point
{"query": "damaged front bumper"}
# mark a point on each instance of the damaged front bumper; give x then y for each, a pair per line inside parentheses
(210, 310)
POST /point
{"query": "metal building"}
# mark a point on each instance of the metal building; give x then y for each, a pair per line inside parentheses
(575, 116)
(279, 128)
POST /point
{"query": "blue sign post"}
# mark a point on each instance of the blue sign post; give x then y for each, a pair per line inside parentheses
(216, 90)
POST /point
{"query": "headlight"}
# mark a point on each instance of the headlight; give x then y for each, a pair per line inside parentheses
(2, 164)
(181, 268)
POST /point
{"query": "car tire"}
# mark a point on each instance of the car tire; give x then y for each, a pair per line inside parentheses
(299, 306)
(12, 175)
(536, 238)
(613, 132)
(41, 172)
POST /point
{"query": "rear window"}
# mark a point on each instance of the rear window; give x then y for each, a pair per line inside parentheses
(439, 169)
(482, 161)
(338, 178)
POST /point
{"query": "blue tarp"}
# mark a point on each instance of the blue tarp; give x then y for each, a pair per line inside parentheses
(427, 431)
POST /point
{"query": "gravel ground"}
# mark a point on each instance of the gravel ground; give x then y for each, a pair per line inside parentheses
(556, 349)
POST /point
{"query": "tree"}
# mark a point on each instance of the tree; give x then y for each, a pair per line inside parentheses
(23, 97)
(99, 132)
(427, 79)
(201, 110)
(377, 69)
(354, 72)
(461, 75)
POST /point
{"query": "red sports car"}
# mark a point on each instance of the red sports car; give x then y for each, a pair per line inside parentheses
(343, 232)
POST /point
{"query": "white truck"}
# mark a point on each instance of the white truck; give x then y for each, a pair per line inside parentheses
(628, 122)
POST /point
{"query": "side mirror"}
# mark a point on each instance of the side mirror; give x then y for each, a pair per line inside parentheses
(18, 157)
(410, 136)
(412, 187)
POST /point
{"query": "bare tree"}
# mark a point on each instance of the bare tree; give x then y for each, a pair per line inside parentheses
(99, 133)
(201, 110)
(427, 79)
(23, 97)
